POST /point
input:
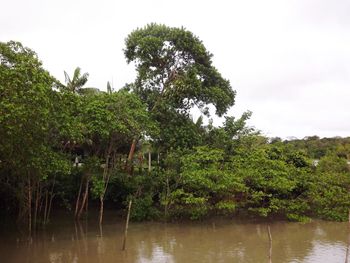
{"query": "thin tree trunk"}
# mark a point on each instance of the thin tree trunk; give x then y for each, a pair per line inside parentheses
(77, 203)
(167, 199)
(49, 209)
(41, 200)
(29, 206)
(87, 204)
(51, 198)
(347, 247)
(102, 196)
(140, 157)
(46, 206)
(270, 243)
(126, 225)
(131, 156)
(132, 150)
(101, 210)
(149, 161)
(37, 195)
(106, 175)
(84, 198)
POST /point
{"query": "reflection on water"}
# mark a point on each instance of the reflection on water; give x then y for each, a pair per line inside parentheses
(219, 241)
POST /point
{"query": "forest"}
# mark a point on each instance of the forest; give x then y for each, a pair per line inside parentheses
(64, 146)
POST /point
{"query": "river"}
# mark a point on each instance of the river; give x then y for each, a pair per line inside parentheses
(210, 241)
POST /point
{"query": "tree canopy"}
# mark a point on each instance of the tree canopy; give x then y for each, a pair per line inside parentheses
(173, 66)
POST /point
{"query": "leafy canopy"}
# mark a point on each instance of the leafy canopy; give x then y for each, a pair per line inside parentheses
(174, 67)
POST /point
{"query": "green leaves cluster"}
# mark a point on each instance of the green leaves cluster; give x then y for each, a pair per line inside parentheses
(267, 181)
(26, 113)
(174, 66)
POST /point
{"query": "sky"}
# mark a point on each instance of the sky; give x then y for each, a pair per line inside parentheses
(288, 60)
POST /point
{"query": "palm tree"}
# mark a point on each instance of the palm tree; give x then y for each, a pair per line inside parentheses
(74, 85)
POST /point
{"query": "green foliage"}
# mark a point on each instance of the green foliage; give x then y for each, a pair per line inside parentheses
(92, 168)
(226, 207)
(26, 110)
(330, 197)
(184, 204)
(143, 208)
(333, 163)
(67, 113)
(31, 139)
(177, 131)
(205, 184)
(25, 106)
(174, 66)
(229, 136)
(174, 74)
(317, 148)
(119, 115)
(275, 185)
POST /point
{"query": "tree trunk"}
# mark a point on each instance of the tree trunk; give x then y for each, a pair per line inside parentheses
(106, 176)
(87, 204)
(29, 206)
(101, 210)
(149, 161)
(37, 197)
(347, 247)
(132, 150)
(126, 225)
(77, 203)
(130, 157)
(51, 198)
(41, 200)
(49, 209)
(167, 199)
(84, 198)
(46, 206)
(140, 163)
(270, 243)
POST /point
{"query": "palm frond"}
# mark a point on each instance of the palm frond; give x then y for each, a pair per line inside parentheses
(67, 78)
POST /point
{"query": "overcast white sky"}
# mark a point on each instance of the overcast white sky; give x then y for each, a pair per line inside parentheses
(289, 61)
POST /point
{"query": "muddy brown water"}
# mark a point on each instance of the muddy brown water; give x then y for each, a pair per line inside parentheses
(210, 241)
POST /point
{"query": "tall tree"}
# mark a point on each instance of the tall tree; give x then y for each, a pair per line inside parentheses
(109, 121)
(174, 74)
(26, 115)
(174, 67)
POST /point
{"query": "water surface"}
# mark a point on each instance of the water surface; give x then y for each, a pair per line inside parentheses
(210, 241)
